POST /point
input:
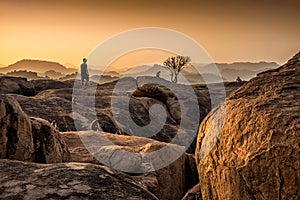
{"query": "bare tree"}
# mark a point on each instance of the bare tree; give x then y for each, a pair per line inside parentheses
(175, 64)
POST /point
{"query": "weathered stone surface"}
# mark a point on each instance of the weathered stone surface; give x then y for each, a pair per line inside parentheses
(20, 180)
(166, 92)
(28, 139)
(53, 109)
(64, 93)
(55, 105)
(191, 173)
(105, 121)
(193, 194)
(167, 183)
(257, 154)
(180, 101)
(41, 85)
(15, 136)
(16, 85)
(48, 144)
(78, 151)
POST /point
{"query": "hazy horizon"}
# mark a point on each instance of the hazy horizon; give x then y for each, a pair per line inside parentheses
(231, 31)
(113, 67)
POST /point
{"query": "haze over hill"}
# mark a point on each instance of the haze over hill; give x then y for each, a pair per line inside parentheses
(71, 65)
(54, 70)
(51, 69)
(246, 70)
(228, 71)
(39, 66)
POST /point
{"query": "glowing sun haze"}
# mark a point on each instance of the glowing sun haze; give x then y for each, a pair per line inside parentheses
(65, 31)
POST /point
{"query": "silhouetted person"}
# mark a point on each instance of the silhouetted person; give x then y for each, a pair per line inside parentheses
(238, 79)
(158, 74)
(84, 72)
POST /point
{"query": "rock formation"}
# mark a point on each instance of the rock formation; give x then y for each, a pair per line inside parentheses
(48, 145)
(50, 108)
(15, 137)
(256, 154)
(20, 180)
(41, 85)
(14, 85)
(28, 139)
(157, 182)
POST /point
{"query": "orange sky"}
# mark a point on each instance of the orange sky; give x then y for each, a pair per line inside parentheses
(65, 31)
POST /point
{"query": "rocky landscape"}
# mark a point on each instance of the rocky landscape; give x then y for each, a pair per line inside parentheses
(247, 147)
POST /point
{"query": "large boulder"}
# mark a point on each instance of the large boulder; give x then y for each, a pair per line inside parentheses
(53, 109)
(27, 139)
(166, 92)
(46, 84)
(249, 147)
(78, 151)
(16, 85)
(20, 180)
(57, 105)
(168, 182)
(64, 93)
(56, 110)
(16, 140)
(49, 146)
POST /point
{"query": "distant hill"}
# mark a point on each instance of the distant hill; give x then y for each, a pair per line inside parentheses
(232, 74)
(53, 74)
(245, 70)
(187, 76)
(112, 73)
(103, 78)
(248, 66)
(25, 74)
(68, 77)
(228, 71)
(38, 66)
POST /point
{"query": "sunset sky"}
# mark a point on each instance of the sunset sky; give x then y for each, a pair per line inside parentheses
(232, 30)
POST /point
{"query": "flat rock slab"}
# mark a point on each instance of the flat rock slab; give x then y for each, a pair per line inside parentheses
(21, 180)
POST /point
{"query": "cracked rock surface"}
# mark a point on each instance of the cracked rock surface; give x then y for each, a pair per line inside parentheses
(20, 180)
(257, 153)
(16, 140)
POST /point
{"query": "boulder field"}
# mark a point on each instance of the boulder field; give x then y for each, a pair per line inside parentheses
(247, 147)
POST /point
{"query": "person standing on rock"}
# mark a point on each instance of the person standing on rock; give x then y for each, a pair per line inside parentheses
(84, 73)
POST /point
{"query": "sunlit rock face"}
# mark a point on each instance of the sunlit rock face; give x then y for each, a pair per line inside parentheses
(257, 153)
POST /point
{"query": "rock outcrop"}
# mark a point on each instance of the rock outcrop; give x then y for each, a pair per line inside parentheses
(16, 85)
(49, 146)
(16, 140)
(54, 103)
(41, 85)
(53, 109)
(27, 139)
(20, 180)
(256, 153)
(167, 183)
(78, 151)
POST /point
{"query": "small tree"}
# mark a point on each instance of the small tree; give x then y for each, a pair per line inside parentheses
(175, 64)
